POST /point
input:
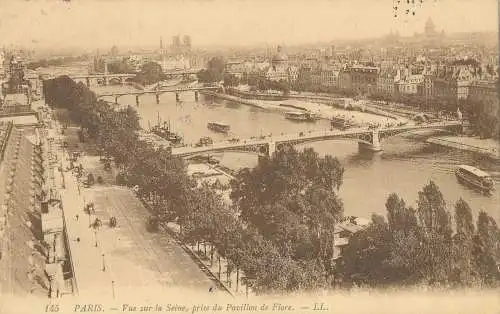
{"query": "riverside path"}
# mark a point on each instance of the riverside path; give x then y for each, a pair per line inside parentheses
(126, 260)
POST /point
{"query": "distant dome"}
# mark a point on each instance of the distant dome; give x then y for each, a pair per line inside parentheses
(280, 56)
(429, 27)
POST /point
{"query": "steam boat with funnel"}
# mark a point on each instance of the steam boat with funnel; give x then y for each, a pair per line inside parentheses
(164, 131)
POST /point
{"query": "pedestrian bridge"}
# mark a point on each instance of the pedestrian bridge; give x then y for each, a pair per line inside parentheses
(157, 93)
(368, 139)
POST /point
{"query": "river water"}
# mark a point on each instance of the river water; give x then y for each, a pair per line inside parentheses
(404, 167)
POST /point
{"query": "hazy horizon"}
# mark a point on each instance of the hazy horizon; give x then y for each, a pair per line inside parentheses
(42, 24)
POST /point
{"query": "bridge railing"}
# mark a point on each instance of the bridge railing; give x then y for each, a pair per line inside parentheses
(306, 135)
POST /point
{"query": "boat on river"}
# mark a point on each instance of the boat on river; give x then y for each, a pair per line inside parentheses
(475, 177)
(204, 141)
(219, 127)
(301, 116)
(164, 131)
(341, 122)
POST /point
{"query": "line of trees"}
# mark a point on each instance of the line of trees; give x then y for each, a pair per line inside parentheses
(120, 66)
(417, 246)
(214, 72)
(54, 62)
(483, 117)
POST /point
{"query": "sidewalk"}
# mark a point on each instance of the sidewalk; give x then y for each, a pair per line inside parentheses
(88, 262)
(239, 290)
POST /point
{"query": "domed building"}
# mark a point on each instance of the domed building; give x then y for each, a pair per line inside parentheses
(279, 69)
(280, 59)
(430, 28)
(431, 36)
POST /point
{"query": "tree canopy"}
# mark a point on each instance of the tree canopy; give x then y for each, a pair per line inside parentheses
(409, 250)
(214, 72)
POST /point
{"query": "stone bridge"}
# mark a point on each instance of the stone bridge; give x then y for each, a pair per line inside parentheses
(157, 93)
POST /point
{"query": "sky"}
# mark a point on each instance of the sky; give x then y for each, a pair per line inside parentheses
(103, 23)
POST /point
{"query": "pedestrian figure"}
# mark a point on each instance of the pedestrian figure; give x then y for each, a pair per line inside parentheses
(78, 239)
(77, 217)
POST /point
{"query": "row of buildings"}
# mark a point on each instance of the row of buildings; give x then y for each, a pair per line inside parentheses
(451, 81)
(430, 66)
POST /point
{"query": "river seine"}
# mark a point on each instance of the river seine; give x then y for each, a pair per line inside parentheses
(404, 167)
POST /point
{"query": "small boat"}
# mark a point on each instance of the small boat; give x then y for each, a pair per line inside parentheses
(475, 177)
(204, 141)
(219, 127)
(340, 122)
(301, 116)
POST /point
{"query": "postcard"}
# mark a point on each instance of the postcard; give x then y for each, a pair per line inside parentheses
(249, 156)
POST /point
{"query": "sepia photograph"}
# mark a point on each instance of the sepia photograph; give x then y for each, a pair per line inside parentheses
(249, 156)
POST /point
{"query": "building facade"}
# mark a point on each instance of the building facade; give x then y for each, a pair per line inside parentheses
(364, 78)
(386, 82)
(484, 92)
(411, 85)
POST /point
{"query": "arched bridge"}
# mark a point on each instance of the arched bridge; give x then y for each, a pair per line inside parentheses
(368, 139)
(121, 78)
(157, 93)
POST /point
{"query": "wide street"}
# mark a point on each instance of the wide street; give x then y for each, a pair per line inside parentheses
(113, 262)
(146, 258)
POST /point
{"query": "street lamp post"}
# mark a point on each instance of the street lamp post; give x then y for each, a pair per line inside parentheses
(103, 264)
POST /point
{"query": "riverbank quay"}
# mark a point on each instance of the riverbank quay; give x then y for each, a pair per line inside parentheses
(310, 102)
(255, 103)
(485, 147)
(390, 110)
(325, 110)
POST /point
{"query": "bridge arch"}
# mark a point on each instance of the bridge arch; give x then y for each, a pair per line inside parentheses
(115, 81)
(384, 134)
(365, 137)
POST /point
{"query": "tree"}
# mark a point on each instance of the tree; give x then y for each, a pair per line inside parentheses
(432, 210)
(399, 216)
(364, 258)
(214, 71)
(463, 219)
(463, 245)
(287, 174)
(487, 249)
(291, 200)
(231, 80)
(150, 73)
(120, 66)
